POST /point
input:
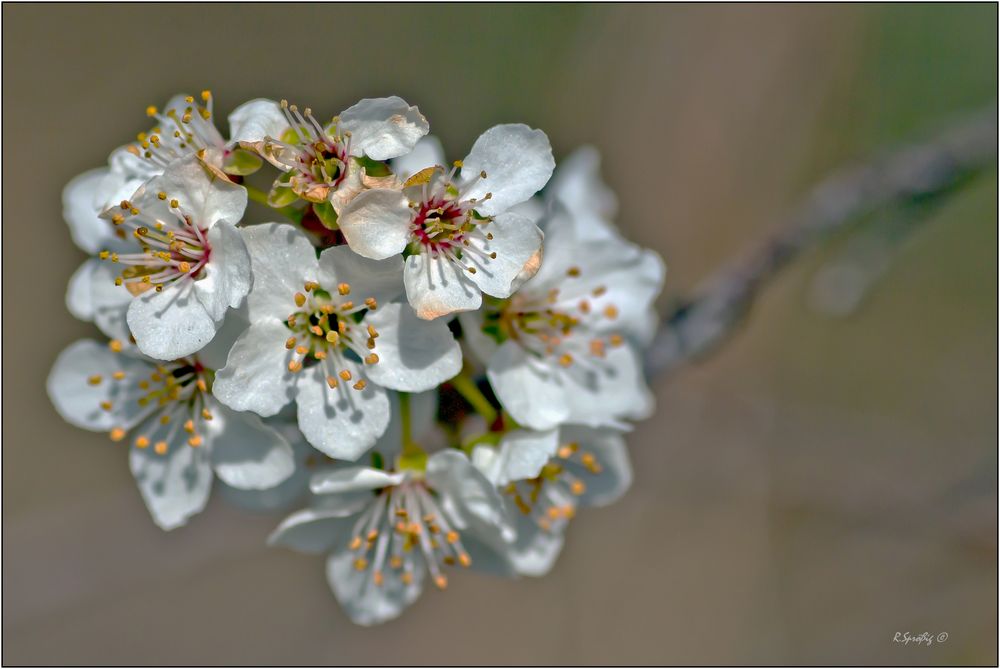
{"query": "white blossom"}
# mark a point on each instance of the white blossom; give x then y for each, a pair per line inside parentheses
(327, 334)
(178, 433)
(461, 238)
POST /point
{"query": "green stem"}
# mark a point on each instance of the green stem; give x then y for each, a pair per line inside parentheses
(412, 457)
(468, 389)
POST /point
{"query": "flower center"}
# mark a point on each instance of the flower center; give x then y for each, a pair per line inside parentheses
(316, 159)
(181, 132)
(171, 402)
(403, 521)
(554, 324)
(327, 330)
(173, 247)
(550, 498)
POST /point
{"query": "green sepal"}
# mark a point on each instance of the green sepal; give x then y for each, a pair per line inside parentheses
(373, 168)
(242, 162)
(281, 194)
(415, 461)
(326, 213)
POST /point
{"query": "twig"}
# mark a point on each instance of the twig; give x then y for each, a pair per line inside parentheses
(912, 173)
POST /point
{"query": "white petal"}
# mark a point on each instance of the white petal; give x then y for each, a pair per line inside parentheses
(427, 153)
(256, 376)
(215, 352)
(608, 447)
(172, 323)
(577, 185)
(246, 453)
(175, 486)
(83, 200)
(363, 601)
(205, 197)
(78, 401)
(535, 550)
(482, 345)
(470, 495)
(435, 287)
(383, 128)
(110, 302)
(516, 241)
(315, 530)
(79, 301)
(376, 224)
(282, 259)
(226, 278)
(517, 161)
(414, 354)
(528, 389)
(289, 493)
(342, 422)
(522, 454)
(607, 391)
(254, 120)
(352, 479)
(380, 279)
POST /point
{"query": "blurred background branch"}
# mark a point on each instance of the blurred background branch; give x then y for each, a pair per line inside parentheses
(913, 176)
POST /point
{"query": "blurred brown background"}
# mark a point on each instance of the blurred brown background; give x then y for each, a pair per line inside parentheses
(814, 488)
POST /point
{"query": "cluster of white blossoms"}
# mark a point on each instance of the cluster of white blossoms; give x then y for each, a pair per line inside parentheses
(436, 360)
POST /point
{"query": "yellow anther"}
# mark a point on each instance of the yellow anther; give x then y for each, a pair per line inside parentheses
(201, 385)
(115, 345)
(300, 299)
(347, 306)
(107, 406)
(553, 513)
(344, 288)
(597, 348)
(360, 385)
(151, 110)
(320, 355)
(195, 441)
(441, 581)
(332, 381)
(206, 95)
(316, 330)
(372, 536)
(565, 360)
(489, 236)
(206, 414)
(174, 204)
(457, 163)
(578, 488)
(184, 267)
(117, 219)
(371, 303)
(310, 286)
(290, 343)
(294, 366)
(104, 255)
(584, 306)
(395, 562)
(118, 376)
(370, 343)
(189, 426)
(345, 374)
(161, 195)
(573, 271)
(205, 114)
(95, 380)
(114, 257)
(451, 537)
(377, 578)
(302, 350)
(142, 442)
(372, 332)
(567, 450)
(472, 270)
(160, 447)
(361, 564)
(406, 578)
(464, 559)
(616, 340)
(189, 99)
(355, 544)
(611, 311)
(164, 420)
(371, 358)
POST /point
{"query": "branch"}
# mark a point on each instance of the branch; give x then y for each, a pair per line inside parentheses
(910, 174)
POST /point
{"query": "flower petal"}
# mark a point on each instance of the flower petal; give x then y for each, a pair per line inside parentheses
(175, 486)
(341, 422)
(470, 496)
(383, 128)
(515, 240)
(528, 389)
(521, 455)
(518, 162)
(608, 447)
(79, 301)
(110, 302)
(427, 153)
(226, 278)
(352, 479)
(290, 492)
(203, 196)
(282, 259)
(364, 602)
(376, 224)
(413, 354)
(313, 530)
(610, 390)
(83, 200)
(172, 323)
(78, 399)
(254, 120)
(378, 279)
(577, 186)
(435, 287)
(246, 453)
(256, 376)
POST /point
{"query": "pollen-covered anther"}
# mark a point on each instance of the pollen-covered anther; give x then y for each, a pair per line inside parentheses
(310, 286)
(597, 348)
(160, 448)
(344, 288)
(290, 343)
(203, 387)
(360, 385)
(578, 488)
(441, 581)
(573, 271)
(332, 382)
(372, 332)
(107, 406)
(616, 340)
(371, 358)
(300, 299)
(371, 303)
(194, 441)
(361, 564)
(565, 360)
(142, 442)
(611, 312)
(95, 380)
(345, 374)
(332, 336)
(294, 366)
(117, 434)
